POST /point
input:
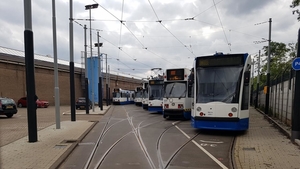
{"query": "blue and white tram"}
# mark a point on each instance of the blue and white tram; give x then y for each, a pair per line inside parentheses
(138, 93)
(121, 96)
(221, 92)
(156, 94)
(177, 95)
(145, 96)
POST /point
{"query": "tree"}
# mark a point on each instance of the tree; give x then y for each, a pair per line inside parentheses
(296, 3)
(281, 58)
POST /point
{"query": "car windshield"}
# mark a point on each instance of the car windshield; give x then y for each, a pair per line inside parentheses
(8, 101)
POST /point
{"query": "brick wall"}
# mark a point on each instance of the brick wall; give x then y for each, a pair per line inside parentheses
(13, 82)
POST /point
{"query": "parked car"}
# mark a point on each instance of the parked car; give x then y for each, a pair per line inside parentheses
(22, 102)
(8, 107)
(80, 103)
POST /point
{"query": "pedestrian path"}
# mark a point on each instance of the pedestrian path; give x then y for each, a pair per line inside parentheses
(264, 146)
(52, 146)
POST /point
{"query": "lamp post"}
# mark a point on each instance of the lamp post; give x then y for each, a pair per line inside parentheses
(56, 88)
(89, 7)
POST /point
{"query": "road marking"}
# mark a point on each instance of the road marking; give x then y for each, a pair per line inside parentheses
(201, 148)
(214, 142)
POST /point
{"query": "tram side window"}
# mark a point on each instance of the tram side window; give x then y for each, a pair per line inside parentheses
(245, 97)
(191, 83)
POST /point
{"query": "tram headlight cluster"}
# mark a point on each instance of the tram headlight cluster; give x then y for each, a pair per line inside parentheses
(198, 109)
(180, 106)
(234, 109)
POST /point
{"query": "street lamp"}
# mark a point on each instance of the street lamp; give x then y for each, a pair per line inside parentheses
(89, 7)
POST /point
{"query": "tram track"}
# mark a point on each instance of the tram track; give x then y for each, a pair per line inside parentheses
(106, 129)
(167, 163)
(149, 138)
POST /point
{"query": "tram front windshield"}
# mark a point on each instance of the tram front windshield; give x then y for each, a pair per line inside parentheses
(155, 92)
(145, 93)
(138, 94)
(116, 95)
(218, 84)
(175, 89)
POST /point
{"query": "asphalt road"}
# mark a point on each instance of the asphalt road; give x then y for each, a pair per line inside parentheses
(130, 137)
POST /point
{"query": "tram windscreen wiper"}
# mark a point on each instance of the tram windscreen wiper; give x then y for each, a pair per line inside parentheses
(183, 94)
(171, 89)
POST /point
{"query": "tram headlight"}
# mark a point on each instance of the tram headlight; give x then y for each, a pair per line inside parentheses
(198, 109)
(180, 106)
(234, 109)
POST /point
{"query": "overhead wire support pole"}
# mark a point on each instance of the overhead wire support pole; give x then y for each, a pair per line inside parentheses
(258, 76)
(268, 70)
(106, 81)
(56, 88)
(86, 80)
(72, 78)
(30, 81)
(99, 74)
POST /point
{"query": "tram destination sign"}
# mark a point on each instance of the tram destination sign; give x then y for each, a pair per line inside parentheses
(224, 60)
(175, 74)
(156, 82)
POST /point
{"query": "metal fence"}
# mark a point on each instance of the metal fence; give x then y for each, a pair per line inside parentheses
(281, 96)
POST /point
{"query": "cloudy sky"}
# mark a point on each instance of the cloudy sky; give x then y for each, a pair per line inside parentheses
(139, 35)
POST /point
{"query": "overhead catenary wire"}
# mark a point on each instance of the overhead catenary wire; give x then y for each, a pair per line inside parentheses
(222, 25)
(143, 46)
(160, 21)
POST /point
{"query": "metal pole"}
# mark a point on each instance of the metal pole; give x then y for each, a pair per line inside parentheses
(100, 81)
(92, 62)
(56, 88)
(251, 96)
(258, 76)
(86, 80)
(108, 86)
(296, 107)
(30, 81)
(72, 78)
(268, 70)
(106, 80)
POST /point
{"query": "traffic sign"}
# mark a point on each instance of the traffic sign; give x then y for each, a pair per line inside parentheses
(296, 64)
